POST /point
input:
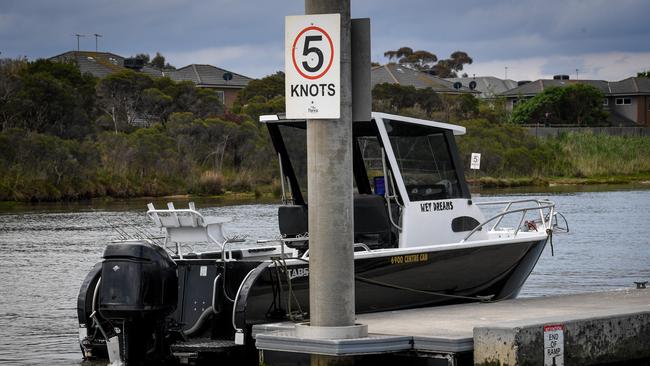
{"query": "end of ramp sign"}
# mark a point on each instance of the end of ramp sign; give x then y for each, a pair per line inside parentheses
(312, 62)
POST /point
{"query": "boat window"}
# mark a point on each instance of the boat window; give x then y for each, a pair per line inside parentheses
(424, 160)
(295, 141)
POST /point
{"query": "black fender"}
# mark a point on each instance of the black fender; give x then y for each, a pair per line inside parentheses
(85, 298)
(241, 300)
(92, 342)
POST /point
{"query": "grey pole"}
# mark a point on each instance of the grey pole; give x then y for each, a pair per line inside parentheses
(329, 176)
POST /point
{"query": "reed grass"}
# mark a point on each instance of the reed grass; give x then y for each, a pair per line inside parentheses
(598, 155)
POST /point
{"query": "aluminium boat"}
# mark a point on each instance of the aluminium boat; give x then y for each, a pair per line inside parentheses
(419, 240)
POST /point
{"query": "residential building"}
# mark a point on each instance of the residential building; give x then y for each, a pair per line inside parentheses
(225, 83)
(627, 101)
(405, 76)
(488, 86)
(100, 64)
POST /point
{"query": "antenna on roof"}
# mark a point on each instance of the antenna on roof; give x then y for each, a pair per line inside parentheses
(97, 36)
(78, 36)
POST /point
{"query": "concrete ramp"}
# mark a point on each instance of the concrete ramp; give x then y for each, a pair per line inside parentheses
(579, 329)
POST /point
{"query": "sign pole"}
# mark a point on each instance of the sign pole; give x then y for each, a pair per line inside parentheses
(329, 175)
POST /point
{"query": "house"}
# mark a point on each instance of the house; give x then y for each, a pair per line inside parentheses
(405, 76)
(487, 86)
(226, 83)
(627, 101)
(100, 64)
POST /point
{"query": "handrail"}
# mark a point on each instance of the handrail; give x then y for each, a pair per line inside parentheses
(388, 185)
(541, 205)
(356, 245)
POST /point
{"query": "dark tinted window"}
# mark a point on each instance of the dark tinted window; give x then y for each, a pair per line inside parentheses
(294, 137)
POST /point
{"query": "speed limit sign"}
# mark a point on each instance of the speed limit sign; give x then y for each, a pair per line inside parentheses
(312, 66)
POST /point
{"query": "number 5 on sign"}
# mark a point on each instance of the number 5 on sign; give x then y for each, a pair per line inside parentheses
(312, 66)
(476, 161)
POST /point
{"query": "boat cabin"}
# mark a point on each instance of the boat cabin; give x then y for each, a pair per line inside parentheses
(409, 184)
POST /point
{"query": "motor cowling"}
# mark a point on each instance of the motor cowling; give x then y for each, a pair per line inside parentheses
(139, 280)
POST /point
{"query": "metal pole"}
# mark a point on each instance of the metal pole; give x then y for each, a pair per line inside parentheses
(329, 160)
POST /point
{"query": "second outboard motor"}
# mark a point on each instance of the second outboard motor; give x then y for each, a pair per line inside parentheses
(139, 287)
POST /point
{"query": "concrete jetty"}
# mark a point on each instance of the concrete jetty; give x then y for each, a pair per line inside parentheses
(578, 329)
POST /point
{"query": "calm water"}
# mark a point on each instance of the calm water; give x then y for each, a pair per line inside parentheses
(45, 252)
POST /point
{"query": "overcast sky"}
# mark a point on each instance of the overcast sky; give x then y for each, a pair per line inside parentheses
(603, 39)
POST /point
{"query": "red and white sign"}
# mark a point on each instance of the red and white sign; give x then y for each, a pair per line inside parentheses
(312, 66)
(554, 345)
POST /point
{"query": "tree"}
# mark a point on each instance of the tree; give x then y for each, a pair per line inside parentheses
(644, 74)
(120, 95)
(427, 61)
(46, 96)
(419, 60)
(396, 97)
(144, 57)
(268, 87)
(157, 62)
(9, 86)
(579, 104)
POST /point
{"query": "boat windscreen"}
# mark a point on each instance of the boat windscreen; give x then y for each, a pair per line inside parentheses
(294, 137)
(424, 160)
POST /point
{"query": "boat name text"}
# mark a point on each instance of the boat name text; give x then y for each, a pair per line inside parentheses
(298, 272)
(436, 206)
(409, 258)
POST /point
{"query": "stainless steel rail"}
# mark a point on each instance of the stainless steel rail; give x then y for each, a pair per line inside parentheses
(539, 205)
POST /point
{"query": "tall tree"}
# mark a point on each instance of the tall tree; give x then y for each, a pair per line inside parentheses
(51, 97)
(429, 62)
(579, 104)
(120, 95)
(158, 61)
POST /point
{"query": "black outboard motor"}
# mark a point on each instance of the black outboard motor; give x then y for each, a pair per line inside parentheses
(139, 287)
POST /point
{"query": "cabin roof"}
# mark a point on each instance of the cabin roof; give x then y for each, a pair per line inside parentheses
(457, 130)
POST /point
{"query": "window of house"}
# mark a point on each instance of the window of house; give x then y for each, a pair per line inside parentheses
(221, 95)
(623, 101)
(605, 102)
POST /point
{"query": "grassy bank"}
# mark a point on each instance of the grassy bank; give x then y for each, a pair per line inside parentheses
(512, 158)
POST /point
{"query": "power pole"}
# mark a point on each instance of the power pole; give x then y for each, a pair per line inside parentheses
(96, 37)
(331, 218)
(78, 36)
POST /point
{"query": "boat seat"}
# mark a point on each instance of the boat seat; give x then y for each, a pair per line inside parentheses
(371, 224)
(188, 225)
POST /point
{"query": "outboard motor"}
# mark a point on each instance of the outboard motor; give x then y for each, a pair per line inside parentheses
(139, 287)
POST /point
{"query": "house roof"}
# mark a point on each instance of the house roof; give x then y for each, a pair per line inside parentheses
(629, 86)
(402, 75)
(488, 86)
(101, 64)
(207, 76)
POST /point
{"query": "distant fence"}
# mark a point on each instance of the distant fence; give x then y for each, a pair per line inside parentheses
(613, 131)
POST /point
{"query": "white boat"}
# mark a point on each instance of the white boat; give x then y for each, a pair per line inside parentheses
(419, 238)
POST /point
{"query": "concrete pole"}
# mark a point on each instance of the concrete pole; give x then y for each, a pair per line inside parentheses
(329, 175)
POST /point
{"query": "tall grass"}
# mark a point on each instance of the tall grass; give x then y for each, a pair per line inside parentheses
(596, 155)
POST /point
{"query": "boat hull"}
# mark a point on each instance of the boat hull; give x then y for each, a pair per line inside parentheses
(395, 280)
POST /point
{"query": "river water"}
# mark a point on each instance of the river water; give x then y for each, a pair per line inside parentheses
(46, 250)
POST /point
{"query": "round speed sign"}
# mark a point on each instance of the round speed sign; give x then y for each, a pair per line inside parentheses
(313, 52)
